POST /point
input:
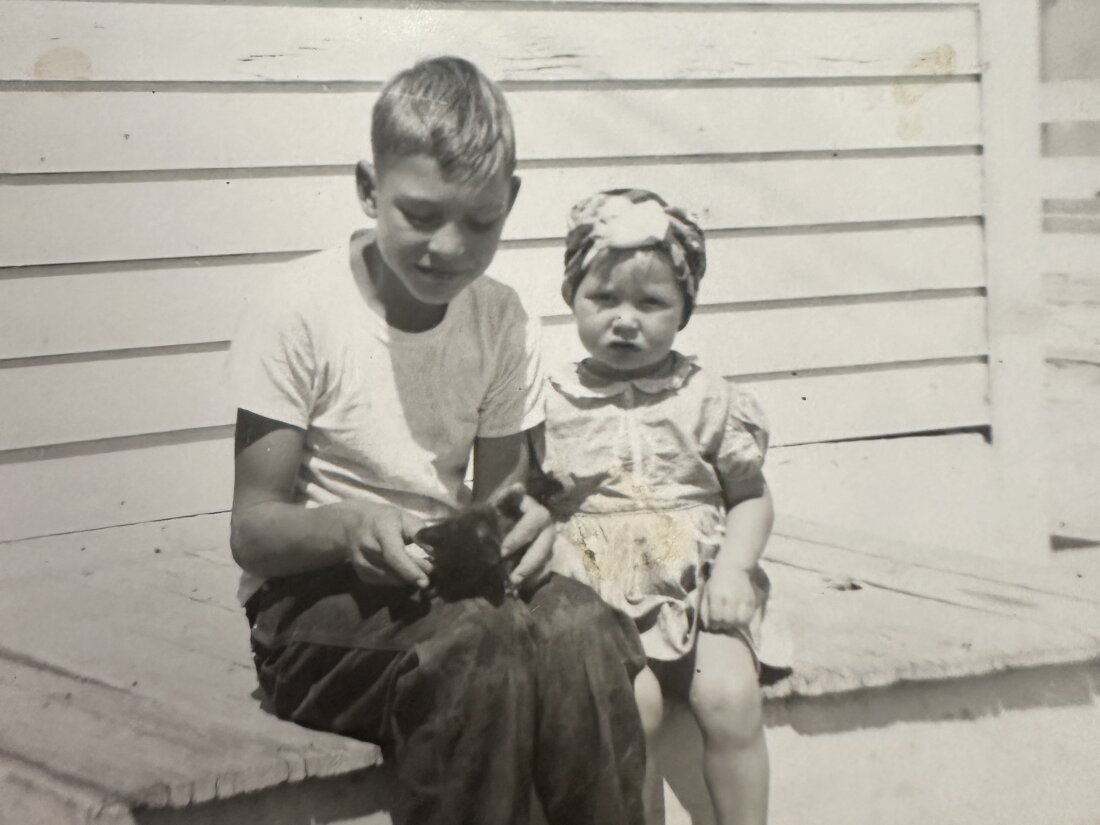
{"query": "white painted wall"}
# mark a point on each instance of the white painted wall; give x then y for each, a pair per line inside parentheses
(160, 161)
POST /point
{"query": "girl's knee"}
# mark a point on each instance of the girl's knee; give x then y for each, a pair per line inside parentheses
(725, 696)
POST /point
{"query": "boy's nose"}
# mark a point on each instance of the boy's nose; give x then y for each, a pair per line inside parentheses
(447, 242)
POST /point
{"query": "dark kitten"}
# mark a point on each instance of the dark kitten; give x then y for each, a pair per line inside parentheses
(466, 550)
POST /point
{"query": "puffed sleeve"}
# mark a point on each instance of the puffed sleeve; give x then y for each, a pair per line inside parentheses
(744, 437)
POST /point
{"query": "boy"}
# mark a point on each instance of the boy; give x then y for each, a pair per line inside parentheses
(361, 392)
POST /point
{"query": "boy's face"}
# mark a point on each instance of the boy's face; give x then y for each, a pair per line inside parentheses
(435, 235)
(628, 311)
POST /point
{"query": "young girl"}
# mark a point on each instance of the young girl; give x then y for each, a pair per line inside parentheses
(665, 502)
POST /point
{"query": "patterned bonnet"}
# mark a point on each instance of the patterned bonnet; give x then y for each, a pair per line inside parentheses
(634, 219)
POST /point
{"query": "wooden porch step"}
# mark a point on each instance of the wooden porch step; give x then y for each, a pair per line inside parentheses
(127, 694)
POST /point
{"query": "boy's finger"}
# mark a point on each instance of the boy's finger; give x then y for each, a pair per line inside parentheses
(394, 554)
(372, 573)
(532, 523)
(536, 558)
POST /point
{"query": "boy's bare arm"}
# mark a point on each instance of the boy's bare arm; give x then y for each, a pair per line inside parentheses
(273, 535)
(499, 465)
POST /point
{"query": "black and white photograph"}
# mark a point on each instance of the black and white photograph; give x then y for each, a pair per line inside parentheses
(549, 412)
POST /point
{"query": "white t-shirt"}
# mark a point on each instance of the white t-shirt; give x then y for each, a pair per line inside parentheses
(389, 416)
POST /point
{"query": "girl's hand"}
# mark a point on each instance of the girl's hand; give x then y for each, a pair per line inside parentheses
(728, 601)
(568, 561)
(376, 538)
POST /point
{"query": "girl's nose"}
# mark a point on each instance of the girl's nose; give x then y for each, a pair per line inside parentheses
(625, 324)
(447, 242)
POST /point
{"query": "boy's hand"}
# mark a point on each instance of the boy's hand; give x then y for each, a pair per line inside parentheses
(728, 600)
(533, 537)
(376, 539)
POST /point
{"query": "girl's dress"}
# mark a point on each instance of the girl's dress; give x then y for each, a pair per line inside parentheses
(644, 462)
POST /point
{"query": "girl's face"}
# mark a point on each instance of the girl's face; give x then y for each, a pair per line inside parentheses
(628, 311)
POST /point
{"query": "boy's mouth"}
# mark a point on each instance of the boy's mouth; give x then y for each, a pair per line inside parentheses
(441, 275)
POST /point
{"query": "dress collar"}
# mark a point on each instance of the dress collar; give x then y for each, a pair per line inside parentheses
(578, 381)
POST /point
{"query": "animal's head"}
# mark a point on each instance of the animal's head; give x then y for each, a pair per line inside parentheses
(470, 542)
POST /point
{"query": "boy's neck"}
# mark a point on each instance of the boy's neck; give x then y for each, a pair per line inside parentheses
(390, 299)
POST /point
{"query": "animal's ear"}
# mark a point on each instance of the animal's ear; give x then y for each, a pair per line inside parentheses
(508, 505)
(430, 537)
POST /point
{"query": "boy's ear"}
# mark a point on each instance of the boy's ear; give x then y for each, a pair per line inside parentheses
(515, 191)
(366, 185)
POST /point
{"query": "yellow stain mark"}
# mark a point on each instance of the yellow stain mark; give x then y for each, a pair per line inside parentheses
(63, 63)
(938, 62)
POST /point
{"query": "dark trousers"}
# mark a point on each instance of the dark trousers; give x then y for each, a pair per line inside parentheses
(473, 703)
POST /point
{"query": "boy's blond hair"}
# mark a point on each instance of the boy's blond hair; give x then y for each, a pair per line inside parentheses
(447, 109)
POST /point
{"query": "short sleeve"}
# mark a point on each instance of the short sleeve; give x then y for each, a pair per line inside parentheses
(744, 437)
(516, 396)
(272, 366)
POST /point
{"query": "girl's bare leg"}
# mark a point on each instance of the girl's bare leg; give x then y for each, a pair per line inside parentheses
(726, 701)
(647, 692)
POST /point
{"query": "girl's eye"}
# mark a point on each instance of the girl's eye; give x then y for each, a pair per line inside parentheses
(601, 297)
(654, 303)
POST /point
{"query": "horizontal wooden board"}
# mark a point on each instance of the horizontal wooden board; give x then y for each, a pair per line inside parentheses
(791, 264)
(840, 3)
(126, 486)
(1074, 139)
(809, 336)
(57, 403)
(1069, 178)
(49, 40)
(74, 220)
(75, 309)
(167, 129)
(865, 404)
(134, 484)
(90, 308)
(1070, 254)
(1069, 100)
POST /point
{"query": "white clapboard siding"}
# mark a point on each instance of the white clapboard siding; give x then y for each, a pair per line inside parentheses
(126, 482)
(44, 40)
(161, 163)
(166, 129)
(88, 220)
(123, 484)
(868, 403)
(88, 308)
(125, 396)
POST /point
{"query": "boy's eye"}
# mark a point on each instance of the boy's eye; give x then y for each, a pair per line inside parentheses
(483, 224)
(654, 303)
(419, 219)
(601, 297)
